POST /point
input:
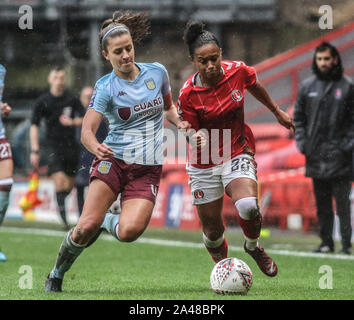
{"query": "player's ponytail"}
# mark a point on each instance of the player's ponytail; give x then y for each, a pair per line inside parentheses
(196, 36)
(106, 23)
(137, 25)
(193, 30)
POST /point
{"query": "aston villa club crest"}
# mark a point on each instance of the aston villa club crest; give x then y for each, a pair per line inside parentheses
(150, 84)
(236, 95)
(104, 167)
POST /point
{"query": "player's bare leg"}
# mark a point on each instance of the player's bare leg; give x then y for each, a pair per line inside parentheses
(243, 192)
(130, 222)
(99, 198)
(98, 201)
(210, 215)
(134, 219)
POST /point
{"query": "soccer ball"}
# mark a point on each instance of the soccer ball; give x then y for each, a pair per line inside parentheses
(231, 276)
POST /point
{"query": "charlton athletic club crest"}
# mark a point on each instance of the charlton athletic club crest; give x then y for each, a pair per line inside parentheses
(236, 95)
(198, 194)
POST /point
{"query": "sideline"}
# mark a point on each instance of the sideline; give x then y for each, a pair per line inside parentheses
(183, 244)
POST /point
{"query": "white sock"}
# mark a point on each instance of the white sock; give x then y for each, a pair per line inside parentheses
(213, 244)
(251, 244)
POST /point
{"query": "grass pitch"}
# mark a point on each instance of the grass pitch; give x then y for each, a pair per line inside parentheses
(165, 264)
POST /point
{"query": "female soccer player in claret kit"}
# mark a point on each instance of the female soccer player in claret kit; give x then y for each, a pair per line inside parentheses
(221, 152)
(129, 161)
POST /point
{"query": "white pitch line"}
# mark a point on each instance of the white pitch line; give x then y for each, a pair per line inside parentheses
(183, 244)
(174, 243)
(41, 232)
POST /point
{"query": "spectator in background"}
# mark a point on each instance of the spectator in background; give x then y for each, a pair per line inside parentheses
(86, 157)
(62, 113)
(324, 120)
(6, 168)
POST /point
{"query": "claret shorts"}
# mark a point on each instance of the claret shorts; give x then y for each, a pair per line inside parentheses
(132, 181)
(209, 184)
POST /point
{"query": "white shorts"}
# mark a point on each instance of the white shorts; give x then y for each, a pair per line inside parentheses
(209, 184)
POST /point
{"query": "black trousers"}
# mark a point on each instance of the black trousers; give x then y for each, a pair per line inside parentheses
(324, 191)
(80, 197)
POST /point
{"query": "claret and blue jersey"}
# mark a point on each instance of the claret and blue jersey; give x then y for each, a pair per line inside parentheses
(134, 110)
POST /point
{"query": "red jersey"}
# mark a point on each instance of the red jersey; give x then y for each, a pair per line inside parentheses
(220, 111)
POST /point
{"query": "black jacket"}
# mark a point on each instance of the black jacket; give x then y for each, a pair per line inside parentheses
(324, 121)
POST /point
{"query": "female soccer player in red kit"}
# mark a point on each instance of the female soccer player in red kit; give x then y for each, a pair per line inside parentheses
(221, 159)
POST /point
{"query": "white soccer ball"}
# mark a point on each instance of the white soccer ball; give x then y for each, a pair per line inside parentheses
(231, 276)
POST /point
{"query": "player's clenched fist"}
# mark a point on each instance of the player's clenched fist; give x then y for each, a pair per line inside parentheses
(184, 126)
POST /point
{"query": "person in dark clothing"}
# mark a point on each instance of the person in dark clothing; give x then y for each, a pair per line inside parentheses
(62, 113)
(85, 156)
(324, 120)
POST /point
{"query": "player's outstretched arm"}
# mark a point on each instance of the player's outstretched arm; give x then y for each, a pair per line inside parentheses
(90, 125)
(261, 94)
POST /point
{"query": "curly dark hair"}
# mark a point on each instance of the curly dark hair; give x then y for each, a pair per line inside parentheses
(337, 71)
(137, 24)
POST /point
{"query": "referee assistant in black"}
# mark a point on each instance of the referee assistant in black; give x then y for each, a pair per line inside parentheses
(62, 113)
